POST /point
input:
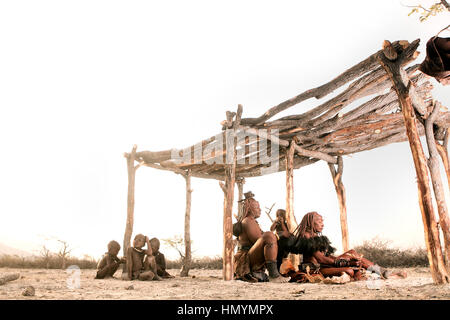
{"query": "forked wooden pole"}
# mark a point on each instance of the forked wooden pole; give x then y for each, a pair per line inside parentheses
(240, 183)
(228, 189)
(443, 152)
(402, 85)
(438, 187)
(130, 200)
(290, 217)
(340, 192)
(187, 228)
(228, 244)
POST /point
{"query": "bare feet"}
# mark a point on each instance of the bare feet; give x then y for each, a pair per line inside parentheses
(402, 274)
(125, 277)
(167, 275)
(279, 279)
(398, 275)
(157, 278)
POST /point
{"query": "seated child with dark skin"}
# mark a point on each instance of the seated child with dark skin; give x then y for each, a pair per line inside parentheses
(141, 264)
(280, 224)
(282, 230)
(109, 264)
(160, 259)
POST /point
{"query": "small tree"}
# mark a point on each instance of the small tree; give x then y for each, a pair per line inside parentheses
(177, 243)
(46, 256)
(63, 253)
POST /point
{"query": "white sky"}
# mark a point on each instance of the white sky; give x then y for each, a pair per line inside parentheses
(82, 81)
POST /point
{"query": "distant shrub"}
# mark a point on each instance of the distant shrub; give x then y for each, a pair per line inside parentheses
(214, 263)
(379, 251)
(52, 262)
(376, 250)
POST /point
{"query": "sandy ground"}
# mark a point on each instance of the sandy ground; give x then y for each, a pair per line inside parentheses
(207, 284)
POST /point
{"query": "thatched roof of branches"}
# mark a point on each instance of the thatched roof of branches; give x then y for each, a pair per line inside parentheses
(345, 124)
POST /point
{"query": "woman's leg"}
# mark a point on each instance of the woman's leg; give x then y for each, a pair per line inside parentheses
(352, 254)
(330, 272)
(264, 253)
(264, 249)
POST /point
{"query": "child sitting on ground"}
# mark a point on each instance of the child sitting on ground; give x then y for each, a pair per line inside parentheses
(140, 263)
(109, 264)
(160, 259)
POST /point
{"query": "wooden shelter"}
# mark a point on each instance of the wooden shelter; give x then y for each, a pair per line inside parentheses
(382, 101)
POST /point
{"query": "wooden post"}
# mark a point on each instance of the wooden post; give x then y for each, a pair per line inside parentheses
(130, 201)
(402, 87)
(228, 190)
(443, 152)
(433, 165)
(228, 245)
(187, 228)
(290, 217)
(340, 192)
(240, 183)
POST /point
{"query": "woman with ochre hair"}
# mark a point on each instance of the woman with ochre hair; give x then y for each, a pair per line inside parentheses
(257, 250)
(318, 252)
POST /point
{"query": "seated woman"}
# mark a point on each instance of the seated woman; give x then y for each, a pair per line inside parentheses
(317, 251)
(257, 249)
